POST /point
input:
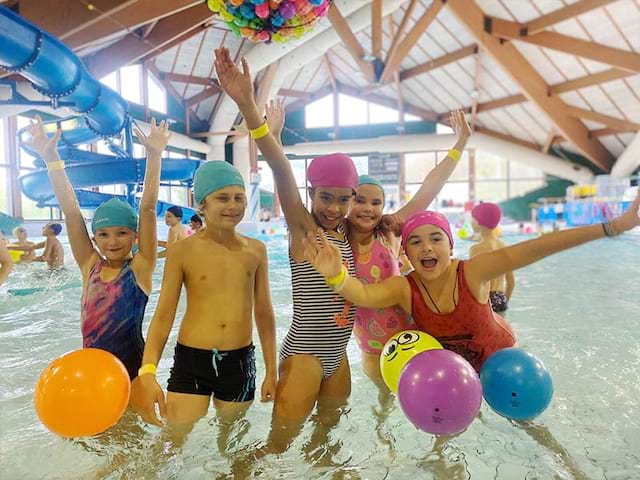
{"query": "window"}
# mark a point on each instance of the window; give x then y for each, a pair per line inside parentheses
(157, 95)
(4, 189)
(380, 114)
(491, 191)
(417, 165)
(130, 83)
(490, 166)
(411, 118)
(353, 111)
(111, 81)
(3, 158)
(319, 113)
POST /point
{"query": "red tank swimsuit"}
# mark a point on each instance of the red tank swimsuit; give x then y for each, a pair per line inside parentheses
(472, 330)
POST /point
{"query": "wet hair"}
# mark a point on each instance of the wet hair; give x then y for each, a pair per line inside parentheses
(196, 219)
(56, 228)
(177, 211)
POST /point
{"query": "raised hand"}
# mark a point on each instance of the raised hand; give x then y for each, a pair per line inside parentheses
(322, 255)
(41, 143)
(236, 84)
(157, 139)
(459, 125)
(275, 117)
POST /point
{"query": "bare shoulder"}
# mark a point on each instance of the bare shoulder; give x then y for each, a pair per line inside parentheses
(256, 245)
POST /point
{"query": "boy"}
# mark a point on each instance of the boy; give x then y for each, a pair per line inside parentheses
(173, 220)
(53, 252)
(20, 233)
(225, 276)
(195, 222)
(486, 218)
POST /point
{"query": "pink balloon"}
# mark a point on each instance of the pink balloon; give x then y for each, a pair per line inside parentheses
(440, 392)
(262, 11)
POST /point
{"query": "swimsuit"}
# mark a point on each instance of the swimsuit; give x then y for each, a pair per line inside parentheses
(374, 326)
(322, 320)
(228, 375)
(112, 315)
(472, 330)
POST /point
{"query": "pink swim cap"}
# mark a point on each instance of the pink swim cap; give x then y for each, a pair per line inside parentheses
(334, 170)
(426, 217)
(487, 215)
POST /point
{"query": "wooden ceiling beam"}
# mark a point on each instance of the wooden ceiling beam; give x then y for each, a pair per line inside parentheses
(287, 92)
(332, 74)
(531, 82)
(508, 138)
(403, 49)
(622, 59)
(132, 47)
(376, 28)
(202, 96)
(350, 41)
(131, 16)
(439, 62)
(397, 37)
(619, 124)
(151, 67)
(191, 79)
(562, 14)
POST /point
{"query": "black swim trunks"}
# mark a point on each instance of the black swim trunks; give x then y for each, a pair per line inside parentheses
(499, 302)
(230, 375)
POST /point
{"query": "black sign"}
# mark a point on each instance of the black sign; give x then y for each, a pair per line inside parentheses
(385, 167)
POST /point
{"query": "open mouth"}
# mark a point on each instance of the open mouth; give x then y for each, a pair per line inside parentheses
(429, 263)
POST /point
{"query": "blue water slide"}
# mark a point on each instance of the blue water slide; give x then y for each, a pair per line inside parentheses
(55, 71)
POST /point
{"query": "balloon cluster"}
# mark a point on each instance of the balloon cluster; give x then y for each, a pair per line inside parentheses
(270, 20)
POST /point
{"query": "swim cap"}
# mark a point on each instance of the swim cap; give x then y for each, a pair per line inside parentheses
(176, 210)
(487, 215)
(367, 180)
(56, 228)
(114, 213)
(426, 217)
(335, 170)
(212, 176)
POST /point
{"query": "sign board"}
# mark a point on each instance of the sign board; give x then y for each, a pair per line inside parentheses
(385, 167)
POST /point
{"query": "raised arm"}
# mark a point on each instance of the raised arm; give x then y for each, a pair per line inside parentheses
(239, 87)
(327, 260)
(6, 264)
(81, 245)
(154, 143)
(266, 324)
(435, 180)
(489, 265)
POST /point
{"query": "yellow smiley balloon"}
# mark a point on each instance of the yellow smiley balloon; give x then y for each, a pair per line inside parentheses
(401, 348)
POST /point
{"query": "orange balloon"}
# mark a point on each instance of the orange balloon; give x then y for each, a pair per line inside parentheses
(82, 393)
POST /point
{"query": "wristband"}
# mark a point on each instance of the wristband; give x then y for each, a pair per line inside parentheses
(455, 154)
(260, 132)
(338, 279)
(147, 368)
(57, 165)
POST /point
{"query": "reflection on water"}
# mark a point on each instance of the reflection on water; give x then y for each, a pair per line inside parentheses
(578, 311)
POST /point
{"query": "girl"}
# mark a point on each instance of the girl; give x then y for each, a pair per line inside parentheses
(449, 298)
(116, 286)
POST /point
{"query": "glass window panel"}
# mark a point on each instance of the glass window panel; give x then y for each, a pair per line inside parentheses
(456, 192)
(380, 114)
(3, 159)
(4, 190)
(179, 195)
(491, 191)
(417, 165)
(299, 172)
(411, 118)
(521, 170)
(110, 81)
(319, 113)
(353, 111)
(165, 194)
(266, 177)
(157, 95)
(130, 83)
(362, 164)
(490, 166)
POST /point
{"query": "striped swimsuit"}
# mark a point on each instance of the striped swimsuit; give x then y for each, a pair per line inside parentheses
(322, 320)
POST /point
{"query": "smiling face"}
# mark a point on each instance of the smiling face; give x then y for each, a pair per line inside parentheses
(224, 208)
(366, 208)
(115, 243)
(429, 251)
(330, 205)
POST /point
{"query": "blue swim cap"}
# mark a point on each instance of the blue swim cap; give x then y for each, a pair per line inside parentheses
(114, 213)
(367, 180)
(212, 176)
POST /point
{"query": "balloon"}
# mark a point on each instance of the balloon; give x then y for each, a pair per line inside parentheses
(401, 348)
(82, 393)
(215, 5)
(516, 384)
(440, 392)
(287, 10)
(262, 11)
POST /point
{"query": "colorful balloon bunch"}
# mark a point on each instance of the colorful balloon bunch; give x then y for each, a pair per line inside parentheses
(270, 20)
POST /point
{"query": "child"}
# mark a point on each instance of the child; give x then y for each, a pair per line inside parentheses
(20, 233)
(173, 219)
(449, 299)
(214, 355)
(486, 217)
(5, 261)
(195, 222)
(116, 286)
(53, 251)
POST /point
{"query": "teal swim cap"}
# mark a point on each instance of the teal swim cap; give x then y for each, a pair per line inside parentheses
(367, 180)
(114, 213)
(212, 176)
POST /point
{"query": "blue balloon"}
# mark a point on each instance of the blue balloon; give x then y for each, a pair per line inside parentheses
(516, 384)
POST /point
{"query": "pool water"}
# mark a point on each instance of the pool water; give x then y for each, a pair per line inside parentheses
(577, 311)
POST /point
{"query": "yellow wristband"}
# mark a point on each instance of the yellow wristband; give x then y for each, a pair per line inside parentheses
(53, 166)
(338, 279)
(147, 368)
(261, 131)
(455, 154)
